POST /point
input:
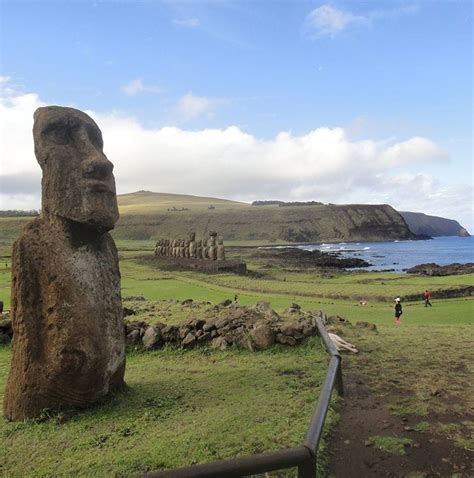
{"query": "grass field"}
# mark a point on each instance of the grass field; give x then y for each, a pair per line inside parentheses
(194, 406)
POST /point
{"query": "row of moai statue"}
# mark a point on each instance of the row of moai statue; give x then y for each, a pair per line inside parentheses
(211, 248)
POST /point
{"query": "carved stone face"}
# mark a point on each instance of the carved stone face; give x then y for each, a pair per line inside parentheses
(78, 183)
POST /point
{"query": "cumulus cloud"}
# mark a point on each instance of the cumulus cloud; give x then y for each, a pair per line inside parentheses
(328, 21)
(136, 86)
(323, 164)
(187, 22)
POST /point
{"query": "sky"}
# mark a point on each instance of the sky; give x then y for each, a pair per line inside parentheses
(340, 102)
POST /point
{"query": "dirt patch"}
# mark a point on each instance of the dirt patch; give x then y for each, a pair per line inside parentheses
(364, 415)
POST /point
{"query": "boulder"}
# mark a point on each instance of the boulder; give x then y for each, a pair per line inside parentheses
(133, 338)
(170, 334)
(189, 340)
(152, 338)
(262, 336)
(219, 343)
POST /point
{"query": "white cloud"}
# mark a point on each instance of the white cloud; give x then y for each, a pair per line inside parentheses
(328, 20)
(136, 86)
(323, 164)
(190, 106)
(187, 22)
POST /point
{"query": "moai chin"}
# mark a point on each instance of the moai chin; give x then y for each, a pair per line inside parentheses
(68, 344)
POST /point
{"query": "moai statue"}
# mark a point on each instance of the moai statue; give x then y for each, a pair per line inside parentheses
(186, 249)
(199, 249)
(192, 245)
(173, 248)
(157, 249)
(163, 247)
(168, 247)
(204, 249)
(212, 250)
(69, 343)
(181, 249)
(220, 249)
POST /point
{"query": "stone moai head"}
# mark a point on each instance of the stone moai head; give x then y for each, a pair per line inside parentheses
(78, 183)
(199, 243)
(192, 237)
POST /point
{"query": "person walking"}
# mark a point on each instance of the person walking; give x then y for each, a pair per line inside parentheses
(427, 297)
(398, 311)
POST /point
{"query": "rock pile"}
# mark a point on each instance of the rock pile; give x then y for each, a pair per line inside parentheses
(253, 328)
(6, 330)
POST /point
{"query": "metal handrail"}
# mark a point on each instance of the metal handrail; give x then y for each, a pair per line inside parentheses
(303, 457)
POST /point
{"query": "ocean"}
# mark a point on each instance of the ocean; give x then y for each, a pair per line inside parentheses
(398, 256)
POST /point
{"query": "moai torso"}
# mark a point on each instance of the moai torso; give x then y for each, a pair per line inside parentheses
(212, 251)
(220, 250)
(199, 249)
(204, 249)
(192, 245)
(186, 249)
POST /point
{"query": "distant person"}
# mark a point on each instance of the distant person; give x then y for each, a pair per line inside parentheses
(398, 311)
(427, 298)
(236, 299)
(1, 306)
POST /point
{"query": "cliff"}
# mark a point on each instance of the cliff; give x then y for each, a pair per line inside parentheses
(420, 223)
(176, 215)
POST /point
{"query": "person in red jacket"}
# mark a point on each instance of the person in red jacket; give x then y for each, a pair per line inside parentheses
(427, 298)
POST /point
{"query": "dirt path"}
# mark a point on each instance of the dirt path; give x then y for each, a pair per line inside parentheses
(364, 416)
(438, 443)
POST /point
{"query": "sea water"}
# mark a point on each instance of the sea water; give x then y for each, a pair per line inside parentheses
(401, 255)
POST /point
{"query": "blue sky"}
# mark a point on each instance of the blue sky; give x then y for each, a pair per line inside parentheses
(393, 78)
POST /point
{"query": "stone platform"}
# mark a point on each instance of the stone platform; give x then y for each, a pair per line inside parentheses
(212, 267)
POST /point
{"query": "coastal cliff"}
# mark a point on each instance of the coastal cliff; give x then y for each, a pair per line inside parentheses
(435, 226)
(176, 215)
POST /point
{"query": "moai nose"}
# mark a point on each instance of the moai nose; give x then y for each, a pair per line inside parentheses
(97, 166)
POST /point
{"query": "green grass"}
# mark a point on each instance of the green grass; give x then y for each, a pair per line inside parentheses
(392, 445)
(186, 407)
(182, 407)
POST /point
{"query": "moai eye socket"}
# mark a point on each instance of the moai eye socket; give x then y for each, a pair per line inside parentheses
(59, 133)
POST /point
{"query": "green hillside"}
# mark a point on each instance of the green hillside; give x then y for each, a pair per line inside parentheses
(146, 202)
(146, 215)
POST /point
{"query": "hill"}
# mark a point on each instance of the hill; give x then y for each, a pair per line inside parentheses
(147, 215)
(420, 223)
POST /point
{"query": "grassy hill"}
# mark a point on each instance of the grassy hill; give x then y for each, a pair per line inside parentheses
(146, 203)
(146, 215)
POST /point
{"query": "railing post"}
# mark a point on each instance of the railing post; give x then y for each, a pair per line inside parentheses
(339, 382)
(307, 469)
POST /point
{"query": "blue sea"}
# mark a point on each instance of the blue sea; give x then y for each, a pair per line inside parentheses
(401, 255)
